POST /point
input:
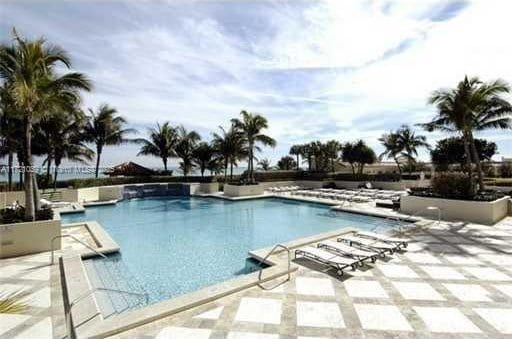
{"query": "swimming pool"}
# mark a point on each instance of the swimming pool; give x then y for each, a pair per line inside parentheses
(174, 245)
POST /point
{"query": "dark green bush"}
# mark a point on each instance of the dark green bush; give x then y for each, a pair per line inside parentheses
(367, 177)
(10, 216)
(452, 185)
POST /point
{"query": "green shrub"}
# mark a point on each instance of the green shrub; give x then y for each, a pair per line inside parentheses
(10, 215)
(367, 177)
(452, 186)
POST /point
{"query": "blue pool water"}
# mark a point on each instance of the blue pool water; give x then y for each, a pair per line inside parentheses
(171, 246)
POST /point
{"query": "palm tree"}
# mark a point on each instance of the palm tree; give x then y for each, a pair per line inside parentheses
(332, 150)
(203, 155)
(71, 145)
(297, 151)
(286, 163)
(230, 147)
(105, 127)
(472, 106)
(264, 164)
(357, 154)
(410, 142)
(161, 143)
(187, 142)
(29, 69)
(10, 130)
(250, 127)
(392, 148)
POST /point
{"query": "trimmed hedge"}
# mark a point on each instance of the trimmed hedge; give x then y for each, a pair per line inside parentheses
(11, 216)
(92, 182)
(391, 177)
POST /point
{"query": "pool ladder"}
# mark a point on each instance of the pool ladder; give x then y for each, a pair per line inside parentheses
(265, 259)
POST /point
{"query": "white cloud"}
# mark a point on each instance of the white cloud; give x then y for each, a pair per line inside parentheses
(316, 69)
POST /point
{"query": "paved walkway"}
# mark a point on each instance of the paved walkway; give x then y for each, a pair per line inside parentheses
(452, 282)
(40, 283)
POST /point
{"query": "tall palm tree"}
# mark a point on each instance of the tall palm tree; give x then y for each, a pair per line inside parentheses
(297, 151)
(187, 142)
(472, 106)
(105, 127)
(71, 145)
(161, 143)
(251, 126)
(10, 130)
(203, 155)
(332, 150)
(30, 71)
(230, 147)
(392, 148)
(410, 142)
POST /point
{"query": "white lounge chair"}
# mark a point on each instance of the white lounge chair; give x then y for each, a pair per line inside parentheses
(401, 242)
(54, 204)
(354, 252)
(369, 244)
(327, 258)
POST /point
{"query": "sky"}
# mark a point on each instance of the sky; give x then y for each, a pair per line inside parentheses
(317, 70)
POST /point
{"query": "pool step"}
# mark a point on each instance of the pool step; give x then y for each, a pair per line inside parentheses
(111, 273)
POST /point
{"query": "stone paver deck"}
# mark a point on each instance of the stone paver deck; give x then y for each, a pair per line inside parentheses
(452, 282)
(32, 275)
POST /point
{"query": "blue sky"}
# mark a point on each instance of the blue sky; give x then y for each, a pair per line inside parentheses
(316, 69)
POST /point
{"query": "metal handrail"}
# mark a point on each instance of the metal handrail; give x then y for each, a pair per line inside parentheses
(416, 213)
(76, 239)
(267, 256)
(87, 294)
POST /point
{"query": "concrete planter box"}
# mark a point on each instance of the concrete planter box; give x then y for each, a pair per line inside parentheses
(481, 212)
(209, 187)
(243, 190)
(28, 237)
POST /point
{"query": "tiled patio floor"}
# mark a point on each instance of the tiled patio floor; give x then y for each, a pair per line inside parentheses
(450, 283)
(40, 282)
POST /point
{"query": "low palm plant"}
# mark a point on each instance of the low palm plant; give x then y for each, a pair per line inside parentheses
(12, 302)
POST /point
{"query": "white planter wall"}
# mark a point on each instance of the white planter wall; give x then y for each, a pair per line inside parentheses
(461, 210)
(28, 237)
(244, 190)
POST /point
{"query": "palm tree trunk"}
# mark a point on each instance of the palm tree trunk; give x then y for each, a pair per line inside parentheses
(21, 173)
(225, 170)
(298, 162)
(231, 171)
(251, 174)
(165, 164)
(476, 158)
(48, 165)
(30, 211)
(398, 165)
(98, 156)
(469, 163)
(37, 197)
(55, 177)
(10, 162)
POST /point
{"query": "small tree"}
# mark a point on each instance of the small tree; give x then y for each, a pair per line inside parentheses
(451, 151)
(264, 164)
(358, 155)
(286, 163)
(203, 155)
